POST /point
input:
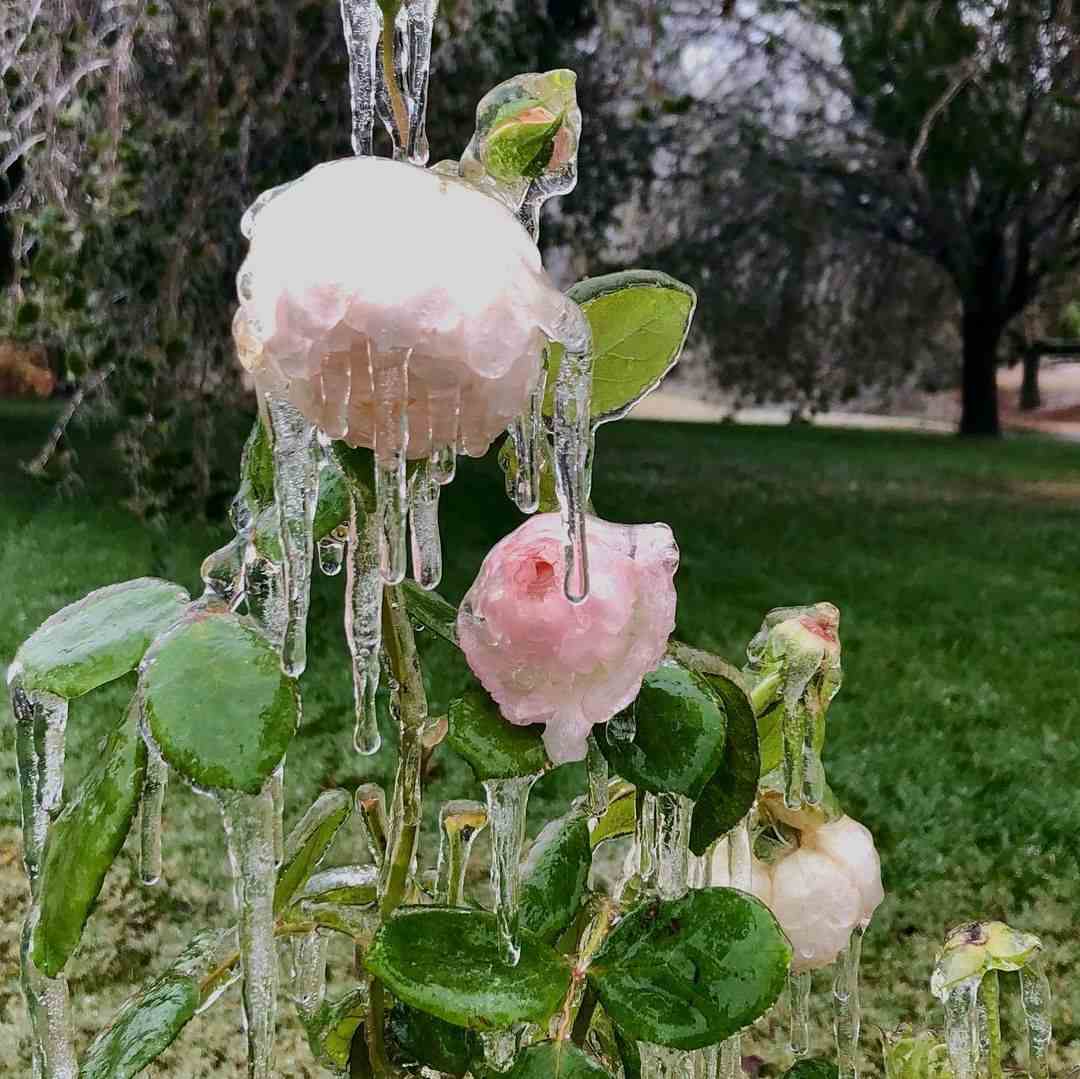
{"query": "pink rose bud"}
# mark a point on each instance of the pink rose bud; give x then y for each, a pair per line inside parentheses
(569, 665)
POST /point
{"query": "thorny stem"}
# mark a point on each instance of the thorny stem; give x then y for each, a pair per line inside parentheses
(397, 102)
(991, 1001)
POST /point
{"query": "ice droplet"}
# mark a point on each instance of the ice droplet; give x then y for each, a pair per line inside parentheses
(1035, 999)
(155, 785)
(309, 955)
(461, 822)
(597, 767)
(332, 552)
(362, 22)
(672, 837)
(424, 527)
(249, 832)
(296, 493)
(799, 985)
(507, 805)
(363, 620)
(523, 479)
(847, 1011)
(390, 390)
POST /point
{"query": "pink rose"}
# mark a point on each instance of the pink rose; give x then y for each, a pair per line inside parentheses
(569, 665)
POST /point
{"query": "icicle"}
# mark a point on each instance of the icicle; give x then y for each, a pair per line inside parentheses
(153, 802)
(48, 1004)
(847, 1018)
(227, 946)
(500, 1048)
(672, 837)
(363, 621)
(444, 410)
(264, 585)
(424, 527)
(523, 481)
(390, 391)
(1035, 999)
(371, 805)
(739, 849)
(962, 1026)
(573, 387)
(420, 21)
(799, 985)
(40, 726)
(277, 793)
(296, 492)
(222, 571)
(362, 23)
(249, 830)
(310, 984)
(507, 803)
(332, 551)
(659, 1062)
(645, 843)
(462, 822)
(597, 766)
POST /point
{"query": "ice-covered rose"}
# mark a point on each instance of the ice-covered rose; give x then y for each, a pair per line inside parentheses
(569, 665)
(820, 891)
(366, 267)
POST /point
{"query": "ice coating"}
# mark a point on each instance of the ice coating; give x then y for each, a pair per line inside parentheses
(847, 1007)
(672, 845)
(155, 784)
(800, 982)
(461, 822)
(569, 666)
(364, 259)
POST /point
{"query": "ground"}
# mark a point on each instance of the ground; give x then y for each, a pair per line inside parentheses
(956, 736)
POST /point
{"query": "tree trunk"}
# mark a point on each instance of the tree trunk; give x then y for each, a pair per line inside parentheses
(1030, 398)
(981, 334)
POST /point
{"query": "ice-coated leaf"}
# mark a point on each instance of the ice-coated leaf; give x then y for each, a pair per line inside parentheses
(679, 734)
(98, 639)
(217, 704)
(431, 611)
(347, 886)
(620, 817)
(554, 876)
(422, 1039)
(309, 841)
(332, 509)
(330, 1032)
(449, 962)
(521, 146)
(730, 793)
(812, 1068)
(494, 747)
(691, 972)
(639, 320)
(556, 1060)
(83, 842)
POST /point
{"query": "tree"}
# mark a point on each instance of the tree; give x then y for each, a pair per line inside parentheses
(947, 127)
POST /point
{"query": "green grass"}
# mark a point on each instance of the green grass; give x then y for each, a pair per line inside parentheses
(956, 737)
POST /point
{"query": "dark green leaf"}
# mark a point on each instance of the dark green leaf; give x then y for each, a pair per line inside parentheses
(813, 1068)
(555, 875)
(521, 148)
(496, 748)
(556, 1060)
(83, 842)
(639, 320)
(422, 1039)
(679, 734)
(691, 972)
(730, 793)
(98, 639)
(431, 611)
(620, 818)
(217, 704)
(309, 841)
(449, 962)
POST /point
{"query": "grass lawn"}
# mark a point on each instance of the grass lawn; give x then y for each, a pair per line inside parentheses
(956, 737)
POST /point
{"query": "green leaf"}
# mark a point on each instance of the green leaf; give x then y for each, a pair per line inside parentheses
(620, 819)
(83, 842)
(217, 704)
(148, 1022)
(496, 748)
(98, 639)
(257, 465)
(813, 1068)
(640, 320)
(520, 148)
(332, 509)
(554, 876)
(730, 793)
(331, 1030)
(771, 738)
(556, 1060)
(422, 1039)
(309, 841)
(431, 611)
(691, 972)
(449, 962)
(679, 736)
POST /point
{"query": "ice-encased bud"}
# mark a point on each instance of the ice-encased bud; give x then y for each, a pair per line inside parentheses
(569, 665)
(972, 949)
(373, 287)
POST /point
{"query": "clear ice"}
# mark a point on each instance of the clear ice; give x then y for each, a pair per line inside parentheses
(847, 1011)
(597, 767)
(277, 795)
(500, 1048)
(739, 843)
(249, 831)
(424, 490)
(309, 984)
(962, 1026)
(362, 23)
(507, 805)
(332, 552)
(363, 619)
(461, 822)
(672, 837)
(799, 985)
(155, 785)
(1035, 999)
(390, 393)
(296, 493)
(371, 807)
(523, 478)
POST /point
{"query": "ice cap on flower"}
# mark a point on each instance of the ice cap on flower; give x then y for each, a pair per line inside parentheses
(569, 665)
(372, 285)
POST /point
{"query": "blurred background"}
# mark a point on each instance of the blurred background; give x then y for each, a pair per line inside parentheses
(879, 206)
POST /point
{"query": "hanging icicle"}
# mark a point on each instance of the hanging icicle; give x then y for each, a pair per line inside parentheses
(426, 544)
(847, 1012)
(672, 836)
(277, 795)
(596, 766)
(527, 433)
(390, 392)
(799, 985)
(362, 23)
(249, 831)
(507, 805)
(371, 806)
(363, 619)
(153, 801)
(962, 1026)
(1035, 999)
(461, 822)
(309, 956)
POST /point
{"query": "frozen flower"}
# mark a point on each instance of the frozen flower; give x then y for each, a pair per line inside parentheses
(373, 286)
(569, 665)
